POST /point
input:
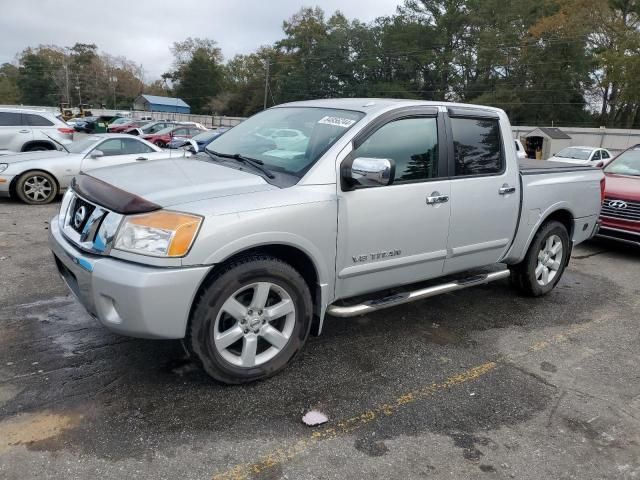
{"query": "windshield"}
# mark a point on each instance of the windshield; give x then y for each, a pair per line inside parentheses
(287, 139)
(120, 121)
(206, 136)
(82, 145)
(153, 127)
(165, 131)
(574, 152)
(628, 163)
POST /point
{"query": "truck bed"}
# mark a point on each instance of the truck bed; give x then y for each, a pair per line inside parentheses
(536, 167)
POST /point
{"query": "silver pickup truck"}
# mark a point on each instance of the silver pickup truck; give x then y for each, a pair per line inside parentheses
(337, 207)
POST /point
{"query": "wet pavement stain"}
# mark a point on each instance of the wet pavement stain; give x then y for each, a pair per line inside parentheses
(29, 428)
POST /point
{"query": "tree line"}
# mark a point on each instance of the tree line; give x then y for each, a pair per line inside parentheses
(561, 62)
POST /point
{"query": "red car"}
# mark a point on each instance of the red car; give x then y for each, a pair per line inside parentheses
(620, 215)
(123, 127)
(163, 137)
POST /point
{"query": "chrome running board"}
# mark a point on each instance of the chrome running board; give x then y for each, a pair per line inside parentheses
(411, 296)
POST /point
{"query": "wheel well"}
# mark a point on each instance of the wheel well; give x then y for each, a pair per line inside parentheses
(565, 218)
(291, 255)
(43, 143)
(12, 185)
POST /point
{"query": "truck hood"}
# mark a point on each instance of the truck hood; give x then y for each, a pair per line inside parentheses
(174, 181)
(625, 187)
(28, 156)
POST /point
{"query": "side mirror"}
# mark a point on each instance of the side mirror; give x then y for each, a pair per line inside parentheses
(368, 172)
(97, 154)
(600, 165)
(191, 146)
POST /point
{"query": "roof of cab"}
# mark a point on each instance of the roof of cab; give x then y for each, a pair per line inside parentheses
(374, 105)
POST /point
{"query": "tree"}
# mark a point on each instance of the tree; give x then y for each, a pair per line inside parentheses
(198, 72)
(9, 91)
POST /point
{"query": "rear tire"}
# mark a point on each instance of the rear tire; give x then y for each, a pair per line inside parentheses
(36, 188)
(251, 320)
(545, 261)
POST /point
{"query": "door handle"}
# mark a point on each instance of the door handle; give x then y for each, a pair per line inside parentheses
(436, 198)
(140, 159)
(506, 189)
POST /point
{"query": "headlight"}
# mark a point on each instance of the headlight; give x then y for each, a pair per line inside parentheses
(3, 167)
(160, 234)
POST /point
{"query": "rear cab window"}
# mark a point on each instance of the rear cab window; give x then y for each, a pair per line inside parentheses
(477, 146)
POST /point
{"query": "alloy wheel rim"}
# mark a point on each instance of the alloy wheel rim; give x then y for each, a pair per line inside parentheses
(254, 324)
(549, 260)
(37, 188)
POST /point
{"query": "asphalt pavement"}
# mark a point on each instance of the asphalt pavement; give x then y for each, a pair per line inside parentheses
(482, 383)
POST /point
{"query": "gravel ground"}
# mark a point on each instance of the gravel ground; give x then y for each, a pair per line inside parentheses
(482, 383)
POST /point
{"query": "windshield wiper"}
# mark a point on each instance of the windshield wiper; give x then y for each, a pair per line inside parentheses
(254, 162)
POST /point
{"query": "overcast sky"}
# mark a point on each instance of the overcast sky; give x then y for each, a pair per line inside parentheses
(143, 30)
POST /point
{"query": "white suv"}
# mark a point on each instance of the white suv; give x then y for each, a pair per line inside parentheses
(24, 130)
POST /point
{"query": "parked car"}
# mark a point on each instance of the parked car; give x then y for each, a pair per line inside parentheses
(97, 124)
(520, 151)
(128, 124)
(200, 140)
(581, 155)
(620, 216)
(23, 130)
(242, 249)
(286, 138)
(150, 127)
(163, 137)
(37, 177)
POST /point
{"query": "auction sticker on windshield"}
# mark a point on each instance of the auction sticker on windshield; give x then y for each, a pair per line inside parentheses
(337, 121)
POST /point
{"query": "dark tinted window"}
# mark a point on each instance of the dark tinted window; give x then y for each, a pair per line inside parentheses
(8, 119)
(132, 146)
(605, 155)
(36, 120)
(411, 142)
(596, 156)
(477, 146)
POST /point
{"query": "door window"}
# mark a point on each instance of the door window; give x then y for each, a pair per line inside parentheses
(605, 155)
(36, 120)
(596, 156)
(411, 142)
(111, 147)
(10, 119)
(131, 146)
(477, 146)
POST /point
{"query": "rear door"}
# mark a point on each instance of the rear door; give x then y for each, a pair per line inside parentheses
(485, 189)
(14, 132)
(393, 235)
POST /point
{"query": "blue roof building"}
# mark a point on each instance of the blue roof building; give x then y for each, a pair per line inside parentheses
(154, 103)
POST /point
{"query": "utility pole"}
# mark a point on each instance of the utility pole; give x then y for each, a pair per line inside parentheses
(66, 75)
(266, 85)
(78, 88)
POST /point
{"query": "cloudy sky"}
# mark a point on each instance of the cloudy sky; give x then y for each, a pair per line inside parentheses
(142, 30)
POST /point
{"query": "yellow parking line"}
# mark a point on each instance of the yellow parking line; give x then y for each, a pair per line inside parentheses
(343, 427)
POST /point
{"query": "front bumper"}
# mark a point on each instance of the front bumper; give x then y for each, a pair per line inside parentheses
(127, 298)
(5, 184)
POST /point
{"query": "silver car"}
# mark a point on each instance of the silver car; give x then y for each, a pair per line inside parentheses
(38, 177)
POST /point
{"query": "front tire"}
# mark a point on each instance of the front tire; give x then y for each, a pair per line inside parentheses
(36, 188)
(546, 259)
(251, 320)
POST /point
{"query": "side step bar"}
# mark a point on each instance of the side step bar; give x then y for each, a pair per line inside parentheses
(411, 296)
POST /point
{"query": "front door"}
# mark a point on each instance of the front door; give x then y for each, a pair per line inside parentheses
(485, 191)
(396, 234)
(117, 151)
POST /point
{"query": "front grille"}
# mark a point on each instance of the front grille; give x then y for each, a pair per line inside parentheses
(80, 214)
(621, 209)
(89, 226)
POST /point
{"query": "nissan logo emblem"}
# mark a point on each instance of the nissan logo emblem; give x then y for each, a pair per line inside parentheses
(78, 217)
(619, 204)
